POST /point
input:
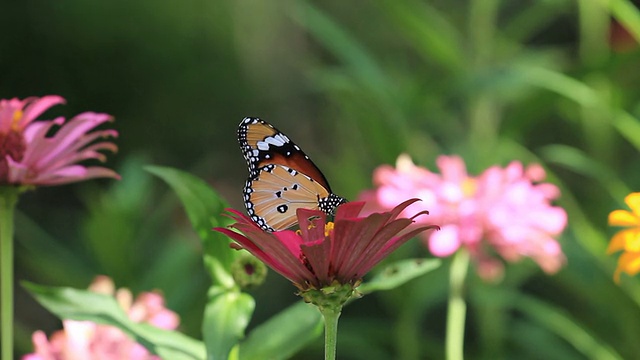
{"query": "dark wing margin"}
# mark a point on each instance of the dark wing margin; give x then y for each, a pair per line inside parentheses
(263, 144)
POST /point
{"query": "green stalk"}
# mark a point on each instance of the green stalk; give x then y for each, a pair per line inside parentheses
(594, 52)
(8, 199)
(457, 308)
(331, 316)
(408, 331)
(483, 108)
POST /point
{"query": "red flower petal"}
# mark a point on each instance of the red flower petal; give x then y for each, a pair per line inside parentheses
(318, 254)
(375, 245)
(313, 258)
(349, 210)
(268, 247)
(311, 223)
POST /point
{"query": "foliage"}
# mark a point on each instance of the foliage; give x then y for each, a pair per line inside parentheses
(537, 81)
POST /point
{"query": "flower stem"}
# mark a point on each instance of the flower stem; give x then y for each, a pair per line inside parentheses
(8, 199)
(408, 332)
(331, 316)
(457, 309)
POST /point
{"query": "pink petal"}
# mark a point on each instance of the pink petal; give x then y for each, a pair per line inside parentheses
(165, 320)
(71, 174)
(389, 196)
(535, 172)
(78, 151)
(71, 132)
(33, 357)
(514, 171)
(444, 242)
(37, 107)
(383, 175)
(553, 219)
(43, 348)
(17, 172)
(452, 168)
(38, 130)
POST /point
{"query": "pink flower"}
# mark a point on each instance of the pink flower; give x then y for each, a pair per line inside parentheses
(30, 156)
(504, 210)
(324, 254)
(85, 340)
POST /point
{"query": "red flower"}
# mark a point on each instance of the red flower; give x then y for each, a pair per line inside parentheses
(322, 254)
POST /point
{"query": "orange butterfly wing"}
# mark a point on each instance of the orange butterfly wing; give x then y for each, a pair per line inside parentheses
(282, 178)
(264, 144)
(277, 192)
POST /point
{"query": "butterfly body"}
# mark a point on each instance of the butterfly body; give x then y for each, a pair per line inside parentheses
(282, 178)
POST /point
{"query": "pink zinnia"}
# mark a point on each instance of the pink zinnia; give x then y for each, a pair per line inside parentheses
(504, 210)
(321, 253)
(31, 155)
(88, 340)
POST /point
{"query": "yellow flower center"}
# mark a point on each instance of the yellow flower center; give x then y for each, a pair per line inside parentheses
(469, 187)
(328, 228)
(17, 116)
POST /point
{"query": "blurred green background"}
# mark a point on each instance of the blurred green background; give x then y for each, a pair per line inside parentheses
(355, 84)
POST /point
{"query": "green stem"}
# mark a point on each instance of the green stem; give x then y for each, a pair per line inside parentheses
(8, 199)
(408, 332)
(483, 109)
(331, 316)
(457, 309)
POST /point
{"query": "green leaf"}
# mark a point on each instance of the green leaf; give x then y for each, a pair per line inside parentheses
(228, 310)
(562, 324)
(346, 48)
(576, 160)
(399, 273)
(626, 13)
(525, 24)
(204, 208)
(226, 316)
(115, 222)
(83, 305)
(284, 334)
(627, 125)
(429, 31)
(559, 83)
(41, 250)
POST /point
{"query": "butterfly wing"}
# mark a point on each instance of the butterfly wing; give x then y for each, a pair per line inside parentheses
(282, 178)
(276, 192)
(263, 144)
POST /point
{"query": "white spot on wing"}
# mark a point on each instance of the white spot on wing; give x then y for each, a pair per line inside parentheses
(277, 140)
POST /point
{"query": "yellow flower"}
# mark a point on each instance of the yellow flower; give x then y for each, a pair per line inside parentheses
(627, 240)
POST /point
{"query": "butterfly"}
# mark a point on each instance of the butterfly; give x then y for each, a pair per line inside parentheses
(282, 178)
